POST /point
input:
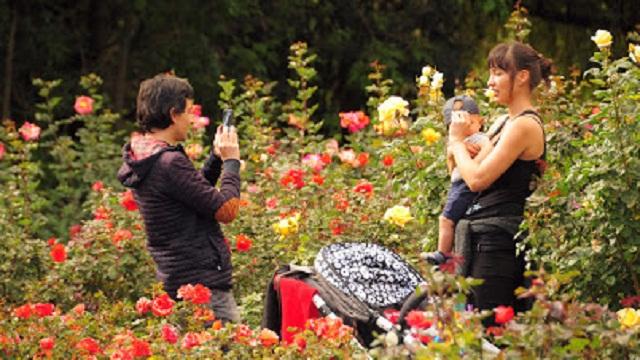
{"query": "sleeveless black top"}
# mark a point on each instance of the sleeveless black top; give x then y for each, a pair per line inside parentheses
(508, 194)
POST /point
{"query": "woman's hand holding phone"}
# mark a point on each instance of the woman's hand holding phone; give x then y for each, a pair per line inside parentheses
(225, 144)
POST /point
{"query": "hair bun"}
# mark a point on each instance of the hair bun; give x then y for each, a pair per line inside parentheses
(546, 67)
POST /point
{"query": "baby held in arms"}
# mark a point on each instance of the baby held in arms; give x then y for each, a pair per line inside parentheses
(460, 196)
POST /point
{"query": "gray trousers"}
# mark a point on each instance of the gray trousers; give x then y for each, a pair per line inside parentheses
(224, 306)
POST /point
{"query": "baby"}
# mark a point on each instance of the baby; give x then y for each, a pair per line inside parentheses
(460, 196)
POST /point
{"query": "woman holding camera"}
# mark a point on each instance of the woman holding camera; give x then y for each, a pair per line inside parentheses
(504, 179)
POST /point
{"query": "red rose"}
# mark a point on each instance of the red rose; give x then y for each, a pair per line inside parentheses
(169, 334)
(387, 160)
(271, 149)
(268, 338)
(341, 203)
(74, 230)
(318, 179)
(364, 187)
(51, 241)
(47, 343)
(97, 186)
(122, 234)
(293, 177)
(392, 315)
(198, 294)
(127, 201)
(140, 348)
(243, 243)
(1, 150)
(362, 160)
(201, 294)
(242, 334)
(58, 253)
(88, 345)
(162, 305)
(196, 110)
(495, 330)
(418, 319)
(190, 340)
(503, 314)
(101, 213)
(143, 305)
(300, 342)
(325, 158)
(336, 226)
(23, 312)
(43, 310)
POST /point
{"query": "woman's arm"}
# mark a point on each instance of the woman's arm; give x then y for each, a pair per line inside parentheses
(517, 137)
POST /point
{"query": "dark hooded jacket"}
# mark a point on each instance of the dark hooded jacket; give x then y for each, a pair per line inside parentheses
(179, 206)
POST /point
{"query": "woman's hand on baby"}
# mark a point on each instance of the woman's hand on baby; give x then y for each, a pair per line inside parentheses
(472, 149)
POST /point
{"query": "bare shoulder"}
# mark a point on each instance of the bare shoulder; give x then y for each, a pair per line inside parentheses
(528, 130)
(528, 124)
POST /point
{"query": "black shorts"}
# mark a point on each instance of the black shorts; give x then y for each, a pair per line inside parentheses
(459, 199)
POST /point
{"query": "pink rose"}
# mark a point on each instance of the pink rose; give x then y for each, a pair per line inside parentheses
(29, 131)
(83, 105)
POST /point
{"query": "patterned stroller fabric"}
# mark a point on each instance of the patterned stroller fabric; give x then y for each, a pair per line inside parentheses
(371, 273)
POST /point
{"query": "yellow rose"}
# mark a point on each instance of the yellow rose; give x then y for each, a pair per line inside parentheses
(628, 317)
(634, 53)
(430, 136)
(602, 38)
(490, 94)
(398, 215)
(393, 107)
(287, 226)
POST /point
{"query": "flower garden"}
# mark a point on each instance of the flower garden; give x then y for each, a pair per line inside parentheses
(77, 281)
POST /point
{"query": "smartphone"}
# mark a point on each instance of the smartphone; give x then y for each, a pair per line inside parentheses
(227, 118)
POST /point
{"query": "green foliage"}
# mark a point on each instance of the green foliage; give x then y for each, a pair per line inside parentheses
(589, 219)
(301, 192)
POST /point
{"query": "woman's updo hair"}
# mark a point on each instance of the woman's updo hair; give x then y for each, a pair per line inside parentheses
(515, 56)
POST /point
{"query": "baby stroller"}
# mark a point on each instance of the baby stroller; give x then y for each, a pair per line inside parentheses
(356, 282)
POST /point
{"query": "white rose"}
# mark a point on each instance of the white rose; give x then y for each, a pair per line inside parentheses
(423, 81)
(634, 53)
(437, 80)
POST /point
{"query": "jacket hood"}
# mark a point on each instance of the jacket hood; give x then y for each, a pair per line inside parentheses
(133, 171)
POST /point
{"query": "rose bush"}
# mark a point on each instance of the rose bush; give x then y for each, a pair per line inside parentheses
(72, 235)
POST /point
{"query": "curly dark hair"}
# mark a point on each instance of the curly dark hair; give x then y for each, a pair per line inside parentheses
(157, 97)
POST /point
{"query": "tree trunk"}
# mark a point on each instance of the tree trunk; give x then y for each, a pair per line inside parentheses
(131, 28)
(8, 66)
